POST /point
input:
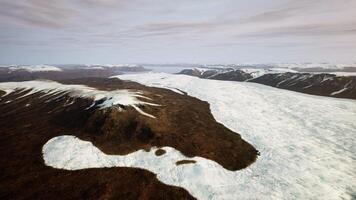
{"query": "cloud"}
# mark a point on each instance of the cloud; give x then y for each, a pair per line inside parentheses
(35, 12)
(191, 25)
(312, 30)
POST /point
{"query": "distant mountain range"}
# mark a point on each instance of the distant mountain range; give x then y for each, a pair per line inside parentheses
(57, 72)
(341, 84)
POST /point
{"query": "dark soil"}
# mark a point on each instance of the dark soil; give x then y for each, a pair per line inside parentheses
(160, 152)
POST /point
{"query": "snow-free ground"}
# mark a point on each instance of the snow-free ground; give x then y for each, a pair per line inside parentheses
(307, 142)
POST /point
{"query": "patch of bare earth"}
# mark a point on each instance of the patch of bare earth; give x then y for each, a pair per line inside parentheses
(160, 152)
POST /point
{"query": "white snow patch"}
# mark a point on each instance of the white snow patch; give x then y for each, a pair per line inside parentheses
(71, 153)
(35, 68)
(94, 67)
(109, 98)
(114, 65)
(339, 91)
(202, 70)
(254, 72)
(307, 142)
(7, 91)
(314, 65)
(344, 73)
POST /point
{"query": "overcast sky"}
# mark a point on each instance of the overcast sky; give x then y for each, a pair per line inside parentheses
(173, 31)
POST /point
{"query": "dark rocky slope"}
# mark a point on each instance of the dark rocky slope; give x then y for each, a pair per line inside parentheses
(316, 84)
(182, 122)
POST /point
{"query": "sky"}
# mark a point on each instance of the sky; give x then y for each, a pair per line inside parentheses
(177, 31)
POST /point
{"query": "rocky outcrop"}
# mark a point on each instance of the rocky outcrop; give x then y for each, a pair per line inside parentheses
(233, 75)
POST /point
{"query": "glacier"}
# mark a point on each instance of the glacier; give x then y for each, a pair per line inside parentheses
(307, 142)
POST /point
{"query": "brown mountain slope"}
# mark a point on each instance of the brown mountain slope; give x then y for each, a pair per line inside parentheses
(317, 84)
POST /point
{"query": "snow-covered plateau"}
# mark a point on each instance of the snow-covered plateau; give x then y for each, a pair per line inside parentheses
(34, 68)
(307, 144)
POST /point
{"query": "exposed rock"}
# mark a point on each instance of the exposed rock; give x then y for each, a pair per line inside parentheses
(234, 75)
